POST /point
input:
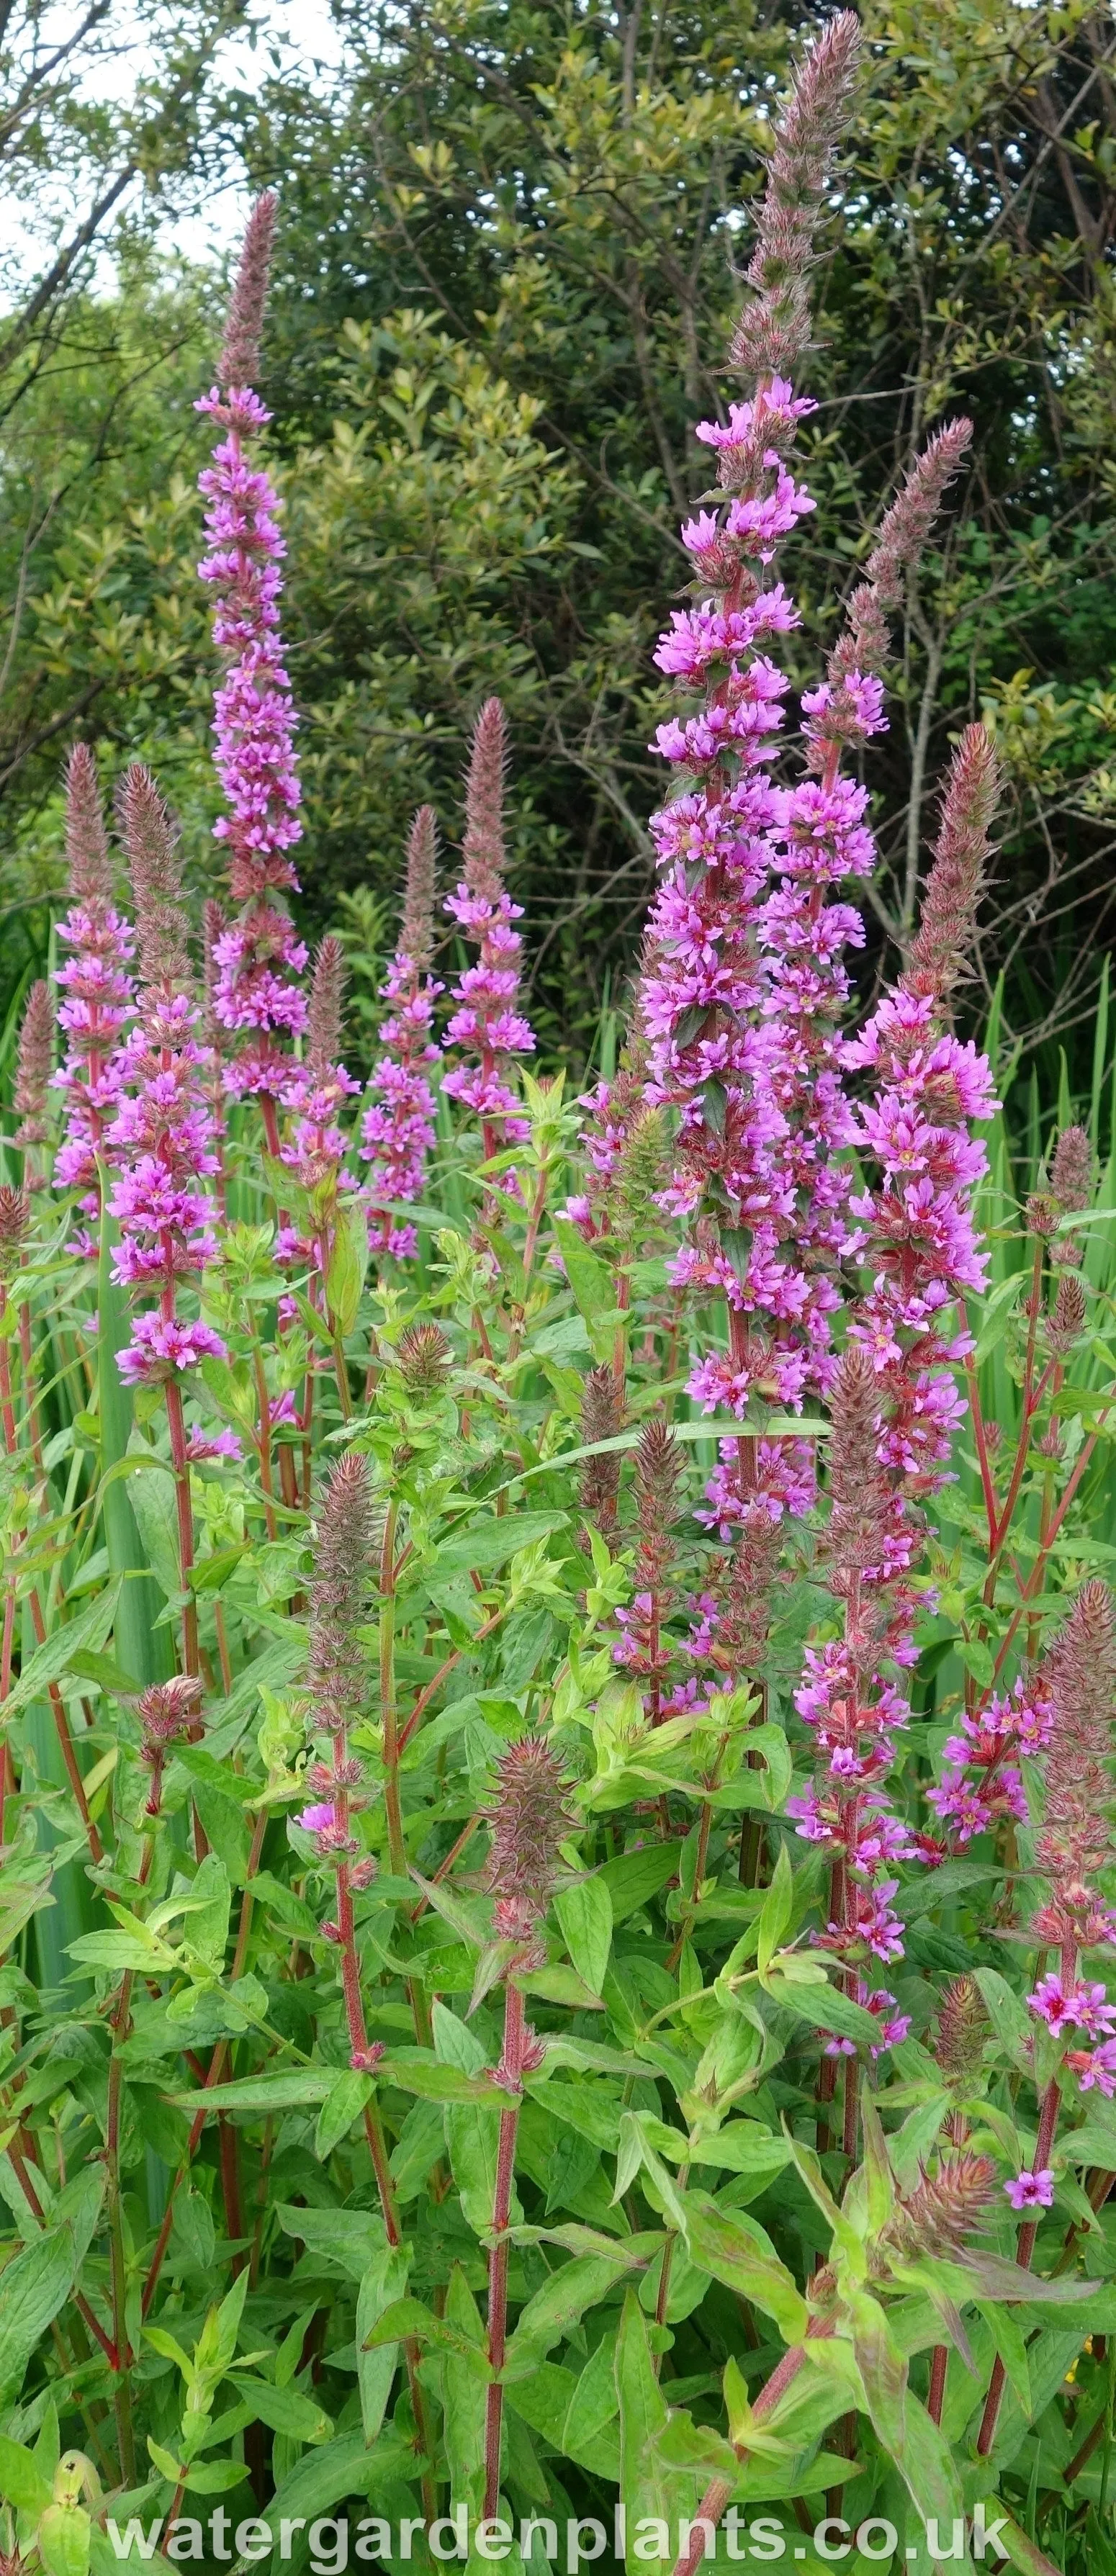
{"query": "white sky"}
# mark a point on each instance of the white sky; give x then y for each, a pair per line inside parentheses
(305, 34)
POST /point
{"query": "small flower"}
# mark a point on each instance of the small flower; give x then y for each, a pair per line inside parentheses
(1084, 2008)
(318, 1819)
(203, 1445)
(364, 2061)
(163, 1347)
(1095, 2068)
(1031, 2190)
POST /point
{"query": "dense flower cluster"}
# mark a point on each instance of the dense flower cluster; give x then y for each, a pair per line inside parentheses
(314, 1094)
(853, 1709)
(989, 1745)
(161, 1139)
(744, 996)
(258, 956)
(1076, 1841)
(644, 1645)
(97, 987)
(485, 1023)
(398, 1125)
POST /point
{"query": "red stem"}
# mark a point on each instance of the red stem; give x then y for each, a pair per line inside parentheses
(511, 2071)
(719, 2491)
(1024, 2252)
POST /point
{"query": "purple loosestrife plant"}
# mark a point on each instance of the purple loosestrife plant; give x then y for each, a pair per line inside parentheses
(34, 1066)
(528, 1817)
(652, 1856)
(258, 956)
(96, 986)
(398, 1126)
(485, 1024)
(161, 1147)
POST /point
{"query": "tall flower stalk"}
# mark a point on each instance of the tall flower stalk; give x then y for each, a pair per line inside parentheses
(96, 986)
(485, 1024)
(161, 1143)
(34, 1065)
(527, 1817)
(258, 957)
(346, 1539)
(1075, 1845)
(398, 1125)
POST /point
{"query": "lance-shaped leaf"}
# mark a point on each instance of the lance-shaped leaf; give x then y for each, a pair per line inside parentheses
(464, 2396)
(563, 2300)
(585, 1914)
(636, 2153)
(407, 2318)
(901, 2425)
(736, 2251)
(650, 2487)
(847, 2243)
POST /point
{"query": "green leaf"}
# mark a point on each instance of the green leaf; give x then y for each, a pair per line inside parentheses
(489, 1542)
(824, 2006)
(637, 1876)
(989, 2276)
(585, 1915)
(594, 2404)
(1022, 2552)
(1010, 2343)
(351, 2238)
(561, 2302)
(1010, 2020)
(121, 1950)
(21, 2480)
(101, 1668)
(142, 1647)
(53, 1658)
(434, 2083)
(647, 2486)
(151, 1494)
(464, 2396)
(593, 1285)
(348, 1262)
(63, 2539)
(346, 2466)
(738, 2253)
(284, 2410)
(339, 2110)
(36, 2284)
(383, 2283)
(207, 1929)
(266, 2093)
(776, 1911)
(470, 1922)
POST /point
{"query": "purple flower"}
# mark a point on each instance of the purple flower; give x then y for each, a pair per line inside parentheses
(485, 1024)
(254, 730)
(398, 1125)
(1031, 2190)
(318, 1819)
(96, 984)
(1095, 2068)
(163, 1347)
(1084, 2008)
(201, 1446)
